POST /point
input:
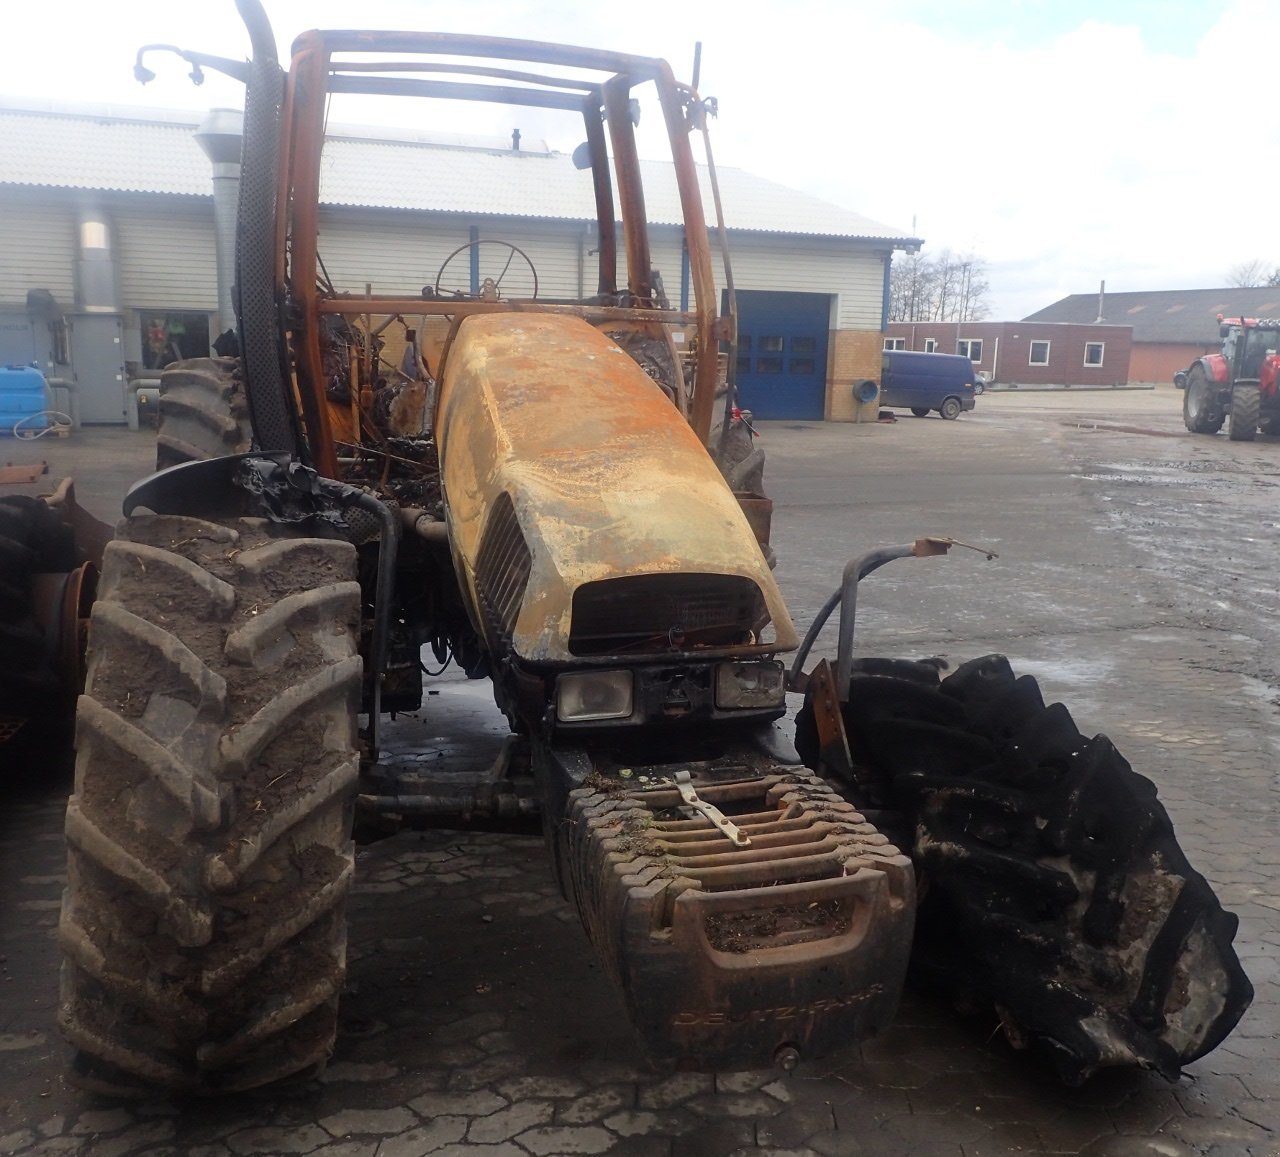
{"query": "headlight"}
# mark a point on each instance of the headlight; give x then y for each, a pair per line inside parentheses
(594, 695)
(742, 685)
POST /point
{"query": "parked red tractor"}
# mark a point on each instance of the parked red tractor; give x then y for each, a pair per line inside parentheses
(1239, 382)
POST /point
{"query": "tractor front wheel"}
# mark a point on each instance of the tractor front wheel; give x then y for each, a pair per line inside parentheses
(209, 852)
(1246, 405)
(1053, 888)
(1201, 413)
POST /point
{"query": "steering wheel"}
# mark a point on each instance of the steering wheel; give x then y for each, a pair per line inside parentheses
(490, 287)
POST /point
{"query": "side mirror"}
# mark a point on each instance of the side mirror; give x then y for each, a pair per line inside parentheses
(582, 156)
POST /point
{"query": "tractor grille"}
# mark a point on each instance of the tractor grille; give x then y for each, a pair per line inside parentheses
(502, 567)
(665, 612)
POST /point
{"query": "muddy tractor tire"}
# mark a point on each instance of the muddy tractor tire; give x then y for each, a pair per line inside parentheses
(203, 412)
(1246, 406)
(209, 851)
(1053, 889)
(1201, 413)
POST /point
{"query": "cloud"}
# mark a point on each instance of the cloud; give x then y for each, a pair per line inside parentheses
(1130, 142)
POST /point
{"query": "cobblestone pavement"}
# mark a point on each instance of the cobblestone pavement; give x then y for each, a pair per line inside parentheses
(1134, 580)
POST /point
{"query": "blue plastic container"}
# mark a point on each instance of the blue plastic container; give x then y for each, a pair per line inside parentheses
(23, 394)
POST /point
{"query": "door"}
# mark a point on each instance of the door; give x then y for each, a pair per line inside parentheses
(782, 353)
(97, 357)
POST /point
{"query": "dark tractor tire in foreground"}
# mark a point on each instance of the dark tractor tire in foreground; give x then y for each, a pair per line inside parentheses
(35, 706)
(950, 409)
(209, 852)
(920, 411)
(1054, 890)
(1246, 406)
(203, 412)
(1201, 413)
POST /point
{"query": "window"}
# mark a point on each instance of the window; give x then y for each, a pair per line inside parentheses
(895, 343)
(803, 366)
(768, 365)
(970, 347)
(169, 336)
(1039, 354)
(1093, 353)
(931, 345)
(804, 345)
(771, 344)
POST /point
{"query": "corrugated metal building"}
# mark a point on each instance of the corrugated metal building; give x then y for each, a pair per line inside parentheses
(111, 211)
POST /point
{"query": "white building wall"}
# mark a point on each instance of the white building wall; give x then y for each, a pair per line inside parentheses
(812, 265)
(402, 255)
(165, 258)
(558, 252)
(38, 244)
(395, 255)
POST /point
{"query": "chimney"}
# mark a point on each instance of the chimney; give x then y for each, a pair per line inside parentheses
(1102, 296)
(220, 134)
(95, 264)
(515, 140)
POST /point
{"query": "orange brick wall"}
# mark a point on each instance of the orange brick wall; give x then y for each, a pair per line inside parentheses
(1158, 362)
(852, 355)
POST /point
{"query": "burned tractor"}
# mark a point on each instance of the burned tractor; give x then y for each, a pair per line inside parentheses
(534, 485)
(1238, 383)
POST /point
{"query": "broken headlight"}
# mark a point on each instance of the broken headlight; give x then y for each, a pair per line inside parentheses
(589, 695)
(743, 685)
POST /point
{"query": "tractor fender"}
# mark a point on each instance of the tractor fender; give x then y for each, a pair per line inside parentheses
(1217, 369)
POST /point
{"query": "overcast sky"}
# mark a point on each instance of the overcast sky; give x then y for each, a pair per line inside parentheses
(1062, 141)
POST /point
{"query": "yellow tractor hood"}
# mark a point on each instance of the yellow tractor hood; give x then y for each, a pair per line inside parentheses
(564, 467)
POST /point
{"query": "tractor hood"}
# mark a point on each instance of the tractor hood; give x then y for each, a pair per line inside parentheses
(586, 519)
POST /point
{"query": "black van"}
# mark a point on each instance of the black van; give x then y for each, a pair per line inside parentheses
(923, 382)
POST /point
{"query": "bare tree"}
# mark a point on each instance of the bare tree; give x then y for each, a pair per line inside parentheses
(947, 287)
(1252, 274)
(911, 288)
(973, 289)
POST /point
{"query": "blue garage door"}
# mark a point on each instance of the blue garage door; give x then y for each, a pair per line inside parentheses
(782, 353)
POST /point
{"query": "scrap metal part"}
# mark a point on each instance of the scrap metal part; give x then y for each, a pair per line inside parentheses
(731, 956)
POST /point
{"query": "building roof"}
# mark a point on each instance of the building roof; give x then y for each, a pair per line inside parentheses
(1183, 316)
(52, 145)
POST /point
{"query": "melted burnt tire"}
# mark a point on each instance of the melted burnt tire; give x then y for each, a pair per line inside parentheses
(203, 412)
(1053, 885)
(209, 851)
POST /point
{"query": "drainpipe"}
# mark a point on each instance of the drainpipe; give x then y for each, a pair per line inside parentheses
(884, 293)
(221, 135)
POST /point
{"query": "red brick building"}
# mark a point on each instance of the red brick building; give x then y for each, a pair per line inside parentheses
(1026, 352)
(1171, 328)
